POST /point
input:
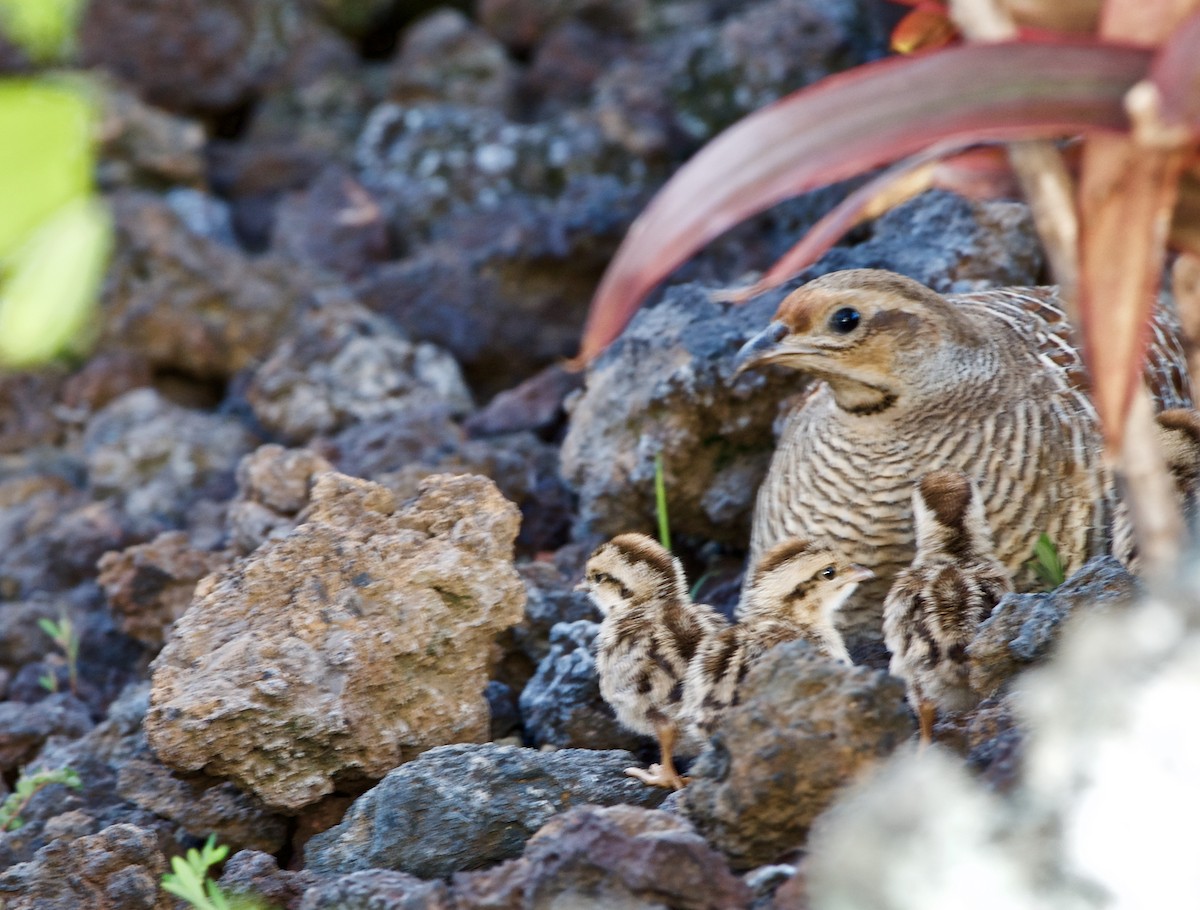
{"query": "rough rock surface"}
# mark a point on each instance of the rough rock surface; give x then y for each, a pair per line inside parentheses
(445, 57)
(344, 365)
(562, 706)
(466, 806)
(117, 869)
(805, 728)
(274, 485)
(256, 874)
(150, 585)
(1023, 628)
(619, 856)
(353, 644)
(379, 889)
(24, 727)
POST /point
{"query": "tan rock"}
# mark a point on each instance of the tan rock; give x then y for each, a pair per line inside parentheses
(351, 645)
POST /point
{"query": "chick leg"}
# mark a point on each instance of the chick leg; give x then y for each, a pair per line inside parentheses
(664, 774)
(926, 714)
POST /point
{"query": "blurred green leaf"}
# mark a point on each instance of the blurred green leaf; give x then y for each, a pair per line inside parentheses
(50, 283)
(44, 28)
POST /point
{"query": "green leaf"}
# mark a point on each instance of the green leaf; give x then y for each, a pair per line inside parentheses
(51, 284)
(44, 28)
(660, 503)
(853, 122)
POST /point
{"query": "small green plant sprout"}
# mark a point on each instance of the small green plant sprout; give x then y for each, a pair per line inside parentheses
(63, 634)
(190, 881)
(27, 787)
(1047, 564)
(660, 503)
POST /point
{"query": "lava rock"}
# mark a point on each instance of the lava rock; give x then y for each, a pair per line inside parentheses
(344, 365)
(158, 461)
(562, 706)
(257, 876)
(378, 889)
(353, 644)
(27, 412)
(1023, 628)
(141, 145)
(119, 868)
(467, 806)
(274, 485)
(150, 585)
(550, 599)
(805, 727)
(619, 856)
(24, 727)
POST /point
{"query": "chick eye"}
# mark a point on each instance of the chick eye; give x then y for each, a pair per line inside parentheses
(845, 320)
(828, 572)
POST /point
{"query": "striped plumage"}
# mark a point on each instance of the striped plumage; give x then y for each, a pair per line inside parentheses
(650, 632)
(794, 593)
(936, 605)
(989, 384)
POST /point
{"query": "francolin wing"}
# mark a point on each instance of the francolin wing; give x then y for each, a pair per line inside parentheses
(794, 593)
(990, 384)
(650, 632)
(936, 605)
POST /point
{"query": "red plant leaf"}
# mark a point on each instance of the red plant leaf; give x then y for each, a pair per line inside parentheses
(1176, 74)
(849, 123)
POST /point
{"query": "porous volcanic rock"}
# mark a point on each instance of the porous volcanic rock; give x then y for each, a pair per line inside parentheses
(467, 806)
(806, 726)
(119, 868)
(150, 585)
(143, 145)
(616, 856)
(349, 646)
(24, 727)
(274, 485)
(257, 875)
(378, 889)
(344, 365)
(1023, 628)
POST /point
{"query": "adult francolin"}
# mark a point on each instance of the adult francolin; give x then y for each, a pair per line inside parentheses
(650, 632)
(794, 593)
(936, 605)
(990, 384)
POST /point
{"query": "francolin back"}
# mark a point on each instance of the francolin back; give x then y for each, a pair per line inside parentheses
(650, 632)
(794, 593)
(990, 384)
(936, 605)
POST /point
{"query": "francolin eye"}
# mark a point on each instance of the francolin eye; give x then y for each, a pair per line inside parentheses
(828, 572)
(845, 320)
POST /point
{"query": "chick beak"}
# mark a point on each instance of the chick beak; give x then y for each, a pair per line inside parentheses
(859, 574)
(760, 348)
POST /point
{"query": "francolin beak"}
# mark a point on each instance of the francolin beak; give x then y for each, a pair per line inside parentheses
(760, 348)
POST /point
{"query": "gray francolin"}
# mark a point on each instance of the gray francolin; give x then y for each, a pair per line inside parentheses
(936, 605)
(794, 593)
(650, 632)
(990, 384)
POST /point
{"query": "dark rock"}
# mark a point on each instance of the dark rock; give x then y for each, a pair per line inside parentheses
(333, 224)
(142, 145)
(995, 743)
(22, 640)
(620, 856)
(567, 65)
(502, 706)
(379, 889)
(188, 303)
(1023, 628)
(805, 728)
(344, 365)
(31, 509)
(550, 599)
(117, 869)
(466, 806)
(106, 376)
(445, 57)
(157, 461)
(24, 727)
(562, 706)
(257, 876)
(535, 404)
(27, 409)
(522, 24)
(274, 485)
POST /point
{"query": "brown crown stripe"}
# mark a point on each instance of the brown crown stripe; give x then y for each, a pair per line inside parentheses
(948, 495)
(639, 548)
(1185, 420)
(780, 553)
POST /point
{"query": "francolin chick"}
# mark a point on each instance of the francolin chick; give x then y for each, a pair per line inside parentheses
(795, 592)
(650, 632)
(990, 384)
(936, 605)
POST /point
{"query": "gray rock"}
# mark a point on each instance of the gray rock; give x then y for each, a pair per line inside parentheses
(257, 876)
(344, 365)
(23, 727)
(550, 599)
(466, 806)
(621, 857)
(379, 889)
(562, 706)
(806, 726)
(158, 461)
(1023, 628)
(274, 485)
(118, 868)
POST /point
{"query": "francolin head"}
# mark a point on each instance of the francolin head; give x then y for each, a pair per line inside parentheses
(936, 605)
(989, 384)
(650, 632)
(794, 593)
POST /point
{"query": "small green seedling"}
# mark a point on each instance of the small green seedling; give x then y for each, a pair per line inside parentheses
(190, 881)
(660, 503)
(27, 787)
(1047, 564)
(64, 635)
